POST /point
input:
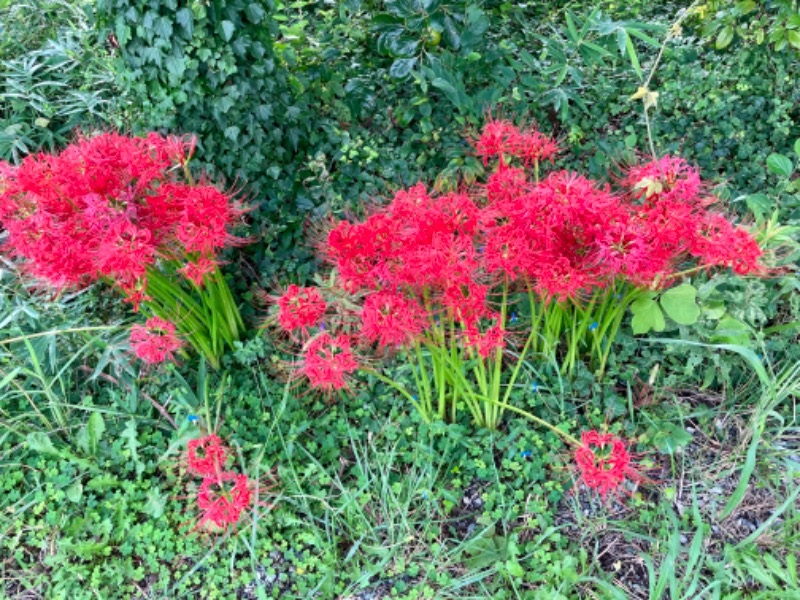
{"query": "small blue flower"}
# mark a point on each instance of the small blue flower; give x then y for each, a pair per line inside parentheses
(525, 454)
(593, 326)
(759, 357)
(193, 418)
(322, 326)
(437, 321)
(480, 249)
(424, 495)
(618, 296)
(513, 317)
(415, 398)
(535, 386)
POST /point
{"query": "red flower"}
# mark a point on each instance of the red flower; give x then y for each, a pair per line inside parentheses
(328, 362)
(391, 319)
(487, 342)
(300, 307)
(498, 137)
(196, 271)
(206, 456)
(154, 342)
(222, 498)
(108, 206)
(603, 462)
(534, 146)
(720, 243)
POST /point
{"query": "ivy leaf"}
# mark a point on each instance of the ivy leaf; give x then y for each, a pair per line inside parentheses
(680, 303)
(185, 19)
(778, 163)
(255, 12)
(227, 30)
(647, 315)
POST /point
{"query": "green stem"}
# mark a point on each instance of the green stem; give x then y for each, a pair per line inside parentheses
(536, 419)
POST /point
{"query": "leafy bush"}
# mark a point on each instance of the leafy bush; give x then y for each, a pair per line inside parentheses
(776, 22)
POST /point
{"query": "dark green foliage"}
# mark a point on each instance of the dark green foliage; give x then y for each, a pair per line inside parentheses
(211, 70)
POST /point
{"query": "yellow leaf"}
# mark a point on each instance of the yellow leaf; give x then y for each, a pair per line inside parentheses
(641, 92)
(651, 100)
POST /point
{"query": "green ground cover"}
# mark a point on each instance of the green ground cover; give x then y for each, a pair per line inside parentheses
(311, 109)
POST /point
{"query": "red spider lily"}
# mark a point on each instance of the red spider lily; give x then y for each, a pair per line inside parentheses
(206, 456)
(603, 462)
(328, 362)
(300, 308)
(222, 498)
(155, 341)
(197, 271)
(564, 239)
(720, 243)
(487, 342)
(108, 207)
(391, 319)
(534, 146)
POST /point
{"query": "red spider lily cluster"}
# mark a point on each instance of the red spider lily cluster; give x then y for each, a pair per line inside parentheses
(155, 341)
(603, 462)
(444, 268)
(224, 496)
(109, 207)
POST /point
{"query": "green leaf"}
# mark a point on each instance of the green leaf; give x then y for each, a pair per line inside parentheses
(647, 315)
(731, 331)
(632, 55)
(670, 438)
(759, 204)
(155, 504)
(102, 482)
(779, 164)
(40, 442)
(227, 30)
(255, 12)
(402, 67)
(680, 304)
(130, 434)
(96, 427)
(75, 492)
(185, 19)
(514, 568)
(713, 309)
(725, 37)
(794, 38)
